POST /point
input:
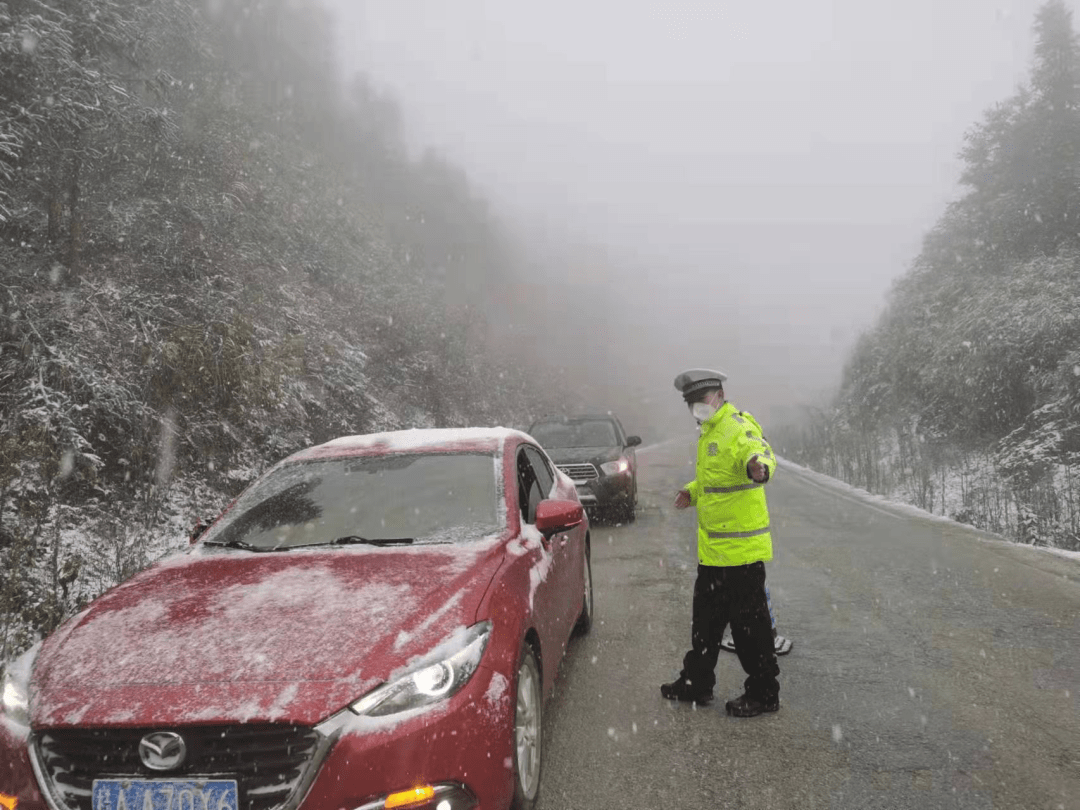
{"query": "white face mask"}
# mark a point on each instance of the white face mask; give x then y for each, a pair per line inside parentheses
(702, 411)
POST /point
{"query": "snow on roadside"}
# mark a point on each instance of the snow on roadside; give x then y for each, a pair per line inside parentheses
(898, 507)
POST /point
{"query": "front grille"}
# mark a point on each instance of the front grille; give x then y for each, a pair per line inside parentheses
(579, 472)
(269, 762)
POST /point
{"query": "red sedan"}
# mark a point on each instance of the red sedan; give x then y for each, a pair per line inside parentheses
(374, 623)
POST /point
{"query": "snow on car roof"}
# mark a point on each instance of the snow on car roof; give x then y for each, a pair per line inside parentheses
(476, 438)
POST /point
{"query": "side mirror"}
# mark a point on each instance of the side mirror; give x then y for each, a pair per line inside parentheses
(554, 516)
(633, 441)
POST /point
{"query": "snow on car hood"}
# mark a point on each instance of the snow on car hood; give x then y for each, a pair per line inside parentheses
(237, 636)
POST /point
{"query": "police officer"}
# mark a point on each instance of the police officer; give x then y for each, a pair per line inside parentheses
(734, 462)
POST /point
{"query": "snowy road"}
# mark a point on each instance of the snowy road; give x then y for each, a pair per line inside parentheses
(932, 668)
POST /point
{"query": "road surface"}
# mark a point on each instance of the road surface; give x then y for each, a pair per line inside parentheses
(933, 667)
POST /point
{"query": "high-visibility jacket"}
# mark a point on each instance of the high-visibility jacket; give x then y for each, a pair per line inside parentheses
(733, 517)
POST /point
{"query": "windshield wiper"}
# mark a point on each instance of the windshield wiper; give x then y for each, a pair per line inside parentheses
(242, 545)
(355, 539)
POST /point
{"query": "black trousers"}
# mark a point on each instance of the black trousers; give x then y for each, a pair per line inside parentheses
(734, 596)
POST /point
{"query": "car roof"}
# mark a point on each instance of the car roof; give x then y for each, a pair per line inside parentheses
(455, 440)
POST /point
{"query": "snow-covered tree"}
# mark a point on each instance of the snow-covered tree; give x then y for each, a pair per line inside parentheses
(976, 353)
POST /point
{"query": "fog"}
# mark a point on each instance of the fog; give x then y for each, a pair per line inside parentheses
(733, 185)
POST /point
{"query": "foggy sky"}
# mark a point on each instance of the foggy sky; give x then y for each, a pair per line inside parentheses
(721, 183)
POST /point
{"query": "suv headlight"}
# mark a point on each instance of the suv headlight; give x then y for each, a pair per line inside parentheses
(619, 465)
(436, 677)
(15, 694)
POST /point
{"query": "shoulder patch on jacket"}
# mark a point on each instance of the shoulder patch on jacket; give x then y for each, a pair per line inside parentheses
(713, 449)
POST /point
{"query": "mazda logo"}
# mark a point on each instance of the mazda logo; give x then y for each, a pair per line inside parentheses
(162, 750)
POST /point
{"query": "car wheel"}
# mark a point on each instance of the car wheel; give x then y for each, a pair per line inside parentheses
(527, 728)
(585, 619)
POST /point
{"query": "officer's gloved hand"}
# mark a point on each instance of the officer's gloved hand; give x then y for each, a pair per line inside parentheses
(756, 471)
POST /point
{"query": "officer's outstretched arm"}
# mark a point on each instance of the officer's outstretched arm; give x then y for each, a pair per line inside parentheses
(754, 447)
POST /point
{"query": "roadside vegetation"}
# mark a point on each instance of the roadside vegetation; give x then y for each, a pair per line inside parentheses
(213, 252)
(964, 399)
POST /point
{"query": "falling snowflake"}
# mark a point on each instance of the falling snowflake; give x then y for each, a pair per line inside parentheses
(67, 463)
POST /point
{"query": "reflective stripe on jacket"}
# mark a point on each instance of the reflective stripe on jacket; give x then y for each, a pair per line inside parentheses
(733, 517)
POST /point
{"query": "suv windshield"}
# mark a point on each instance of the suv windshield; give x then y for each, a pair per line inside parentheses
(423, 498)
(586, 433)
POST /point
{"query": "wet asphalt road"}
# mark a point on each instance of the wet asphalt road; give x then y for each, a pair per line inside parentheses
(932, 667)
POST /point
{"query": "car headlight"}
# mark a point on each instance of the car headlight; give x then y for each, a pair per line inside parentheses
(15, 695)
(436, 677)
(619, 465)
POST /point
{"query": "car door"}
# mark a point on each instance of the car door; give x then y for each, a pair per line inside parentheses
(548, 573)
(566, 546)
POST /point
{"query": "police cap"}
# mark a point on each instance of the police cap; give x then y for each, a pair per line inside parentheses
(693, 384)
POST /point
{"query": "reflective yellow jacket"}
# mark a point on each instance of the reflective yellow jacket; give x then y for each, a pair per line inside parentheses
(733, 517)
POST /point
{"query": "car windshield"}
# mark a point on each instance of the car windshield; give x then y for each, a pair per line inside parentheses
(584, 433)
(422, 498)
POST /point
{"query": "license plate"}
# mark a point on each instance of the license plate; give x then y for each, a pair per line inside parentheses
(165, 794)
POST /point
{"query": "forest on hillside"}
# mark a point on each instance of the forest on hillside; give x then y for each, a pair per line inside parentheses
(964, 398)
(213, 252)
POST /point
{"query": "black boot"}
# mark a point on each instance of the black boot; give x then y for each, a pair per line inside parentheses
(681, 689)
(746, 706)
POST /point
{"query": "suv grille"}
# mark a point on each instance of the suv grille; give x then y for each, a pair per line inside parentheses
(579, 472)
(269, 762)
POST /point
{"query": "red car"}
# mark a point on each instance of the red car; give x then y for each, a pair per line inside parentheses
(374, 623)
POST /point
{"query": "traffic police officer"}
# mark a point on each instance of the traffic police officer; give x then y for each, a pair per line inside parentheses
(734, 462)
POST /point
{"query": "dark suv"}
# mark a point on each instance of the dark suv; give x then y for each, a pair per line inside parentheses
(600, 458)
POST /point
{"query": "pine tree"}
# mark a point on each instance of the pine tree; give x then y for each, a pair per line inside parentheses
(1021, 161)
(1056, 126)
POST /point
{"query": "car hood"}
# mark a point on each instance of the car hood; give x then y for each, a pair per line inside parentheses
(582, 455)
(244, 637)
